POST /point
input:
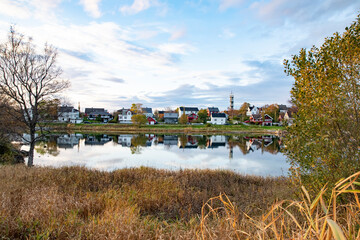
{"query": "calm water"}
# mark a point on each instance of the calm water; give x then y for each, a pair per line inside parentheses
(249, 155)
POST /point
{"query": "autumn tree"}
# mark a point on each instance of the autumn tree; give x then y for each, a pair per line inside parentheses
(27, 78)
(243, 110)
(136, 108)
(183, 119)
(139, 119)
(203, 115)
(323, 143)
(272, 110)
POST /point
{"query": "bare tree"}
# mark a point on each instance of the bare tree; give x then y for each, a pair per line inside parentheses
(28, 79)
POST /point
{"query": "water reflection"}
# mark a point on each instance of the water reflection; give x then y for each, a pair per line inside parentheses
(258, 155)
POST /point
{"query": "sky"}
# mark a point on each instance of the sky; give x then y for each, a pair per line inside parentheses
(171, 53)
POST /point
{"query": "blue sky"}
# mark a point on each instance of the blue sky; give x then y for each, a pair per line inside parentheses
(164, 53)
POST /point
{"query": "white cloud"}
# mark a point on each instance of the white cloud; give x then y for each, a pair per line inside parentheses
(227, 34)
(225, 4)
(136, 7)
(176, 48)
(92, 7)
(14, 8)
(177, 34)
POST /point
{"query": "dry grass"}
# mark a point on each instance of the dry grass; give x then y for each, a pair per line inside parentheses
(143, 203)
(316, 218)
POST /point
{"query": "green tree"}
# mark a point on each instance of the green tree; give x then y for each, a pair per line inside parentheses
(139, 119)
(323, 143)
(183, 119)
(203, 115)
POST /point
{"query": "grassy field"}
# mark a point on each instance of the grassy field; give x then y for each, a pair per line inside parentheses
(167, 128)
(144, 203)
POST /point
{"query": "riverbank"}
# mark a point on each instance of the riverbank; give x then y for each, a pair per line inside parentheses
(142, 203)
(171, 128)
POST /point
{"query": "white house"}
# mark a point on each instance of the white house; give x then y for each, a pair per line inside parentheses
(125, 116)
(69, 114)
(188, 110)
(218, 118)
(147, 112)
(252, 110)
(125, 140)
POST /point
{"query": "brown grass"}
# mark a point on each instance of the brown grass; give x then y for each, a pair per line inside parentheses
(142, 203)
(316, 218)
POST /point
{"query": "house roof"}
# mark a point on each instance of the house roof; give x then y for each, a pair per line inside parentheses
(213, 109)
(65, 109)
(124, 111)
(161, 112)
(146, 110)
(193, 109)
(91, 110)
(218, 115)
(282, 107)
(100, 113)
(171, 115)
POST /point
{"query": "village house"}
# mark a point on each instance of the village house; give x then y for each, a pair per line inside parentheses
(283, 108)
(95, 113)
(171, 117)
(218, 118)
(151, 120)
(125, 116)
(147, 112)
(252, 110)
(211, 110)
(289, 118)
(69, 114)
(188, 110)
(258, 119)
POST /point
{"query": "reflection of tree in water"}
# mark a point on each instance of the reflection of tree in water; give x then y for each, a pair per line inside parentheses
(137, 142)
(183, 140)
(202, 142)
(50, 146)
(248, 144)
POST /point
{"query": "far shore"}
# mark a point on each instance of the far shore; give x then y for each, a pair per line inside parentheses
(113, 128)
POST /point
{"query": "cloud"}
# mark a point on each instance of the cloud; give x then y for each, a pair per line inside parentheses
(14, 8)
(227, 34)
(115, 80)
(92, 7)
(225, 4)
(136, 7)
(176, 48)
(302, 11)
(177, 34)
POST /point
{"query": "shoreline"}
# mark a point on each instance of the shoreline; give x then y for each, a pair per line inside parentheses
(171, 129)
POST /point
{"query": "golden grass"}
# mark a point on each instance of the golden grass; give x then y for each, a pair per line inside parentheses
(316, 218)
(143, 203)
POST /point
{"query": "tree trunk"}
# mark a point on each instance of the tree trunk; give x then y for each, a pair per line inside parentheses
(32, 147)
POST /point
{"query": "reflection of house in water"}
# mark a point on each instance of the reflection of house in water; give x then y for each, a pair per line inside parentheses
(68, 140)
(217, 141)
(187, 142)
(268, 140)
(97, 139)
(265, 143)
(170, 140)
(125, 140)
(149, 140)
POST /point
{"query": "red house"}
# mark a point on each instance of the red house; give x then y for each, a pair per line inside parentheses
(151, 120)
(192, 117)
